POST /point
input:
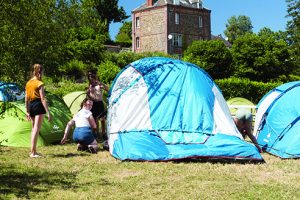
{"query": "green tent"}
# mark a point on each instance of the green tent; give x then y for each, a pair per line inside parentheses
(239, 102)
(73, 100)
(15, 130)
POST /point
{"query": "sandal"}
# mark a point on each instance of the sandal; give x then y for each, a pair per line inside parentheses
(35, 155)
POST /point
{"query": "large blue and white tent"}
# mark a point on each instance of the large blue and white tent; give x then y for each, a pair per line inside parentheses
(166, 109)
(277, 123)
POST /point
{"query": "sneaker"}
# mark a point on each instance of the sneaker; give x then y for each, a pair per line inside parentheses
(92, 150)
(81, 148)
(105, 145)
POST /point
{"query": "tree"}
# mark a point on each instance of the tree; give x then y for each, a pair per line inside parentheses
(27, 32)
(213, 56)
(238, 26)
(293, 29)
(124, 36)
(109, 11)
(50, 32)
(260, 58)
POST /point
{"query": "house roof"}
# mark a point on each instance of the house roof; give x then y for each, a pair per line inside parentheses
(186, 3)
(219, 37)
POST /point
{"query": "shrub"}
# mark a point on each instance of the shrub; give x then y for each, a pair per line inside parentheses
(251, 90)
(107, 71)
(64, 86)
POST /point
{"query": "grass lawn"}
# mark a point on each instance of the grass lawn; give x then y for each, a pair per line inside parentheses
(64, 173)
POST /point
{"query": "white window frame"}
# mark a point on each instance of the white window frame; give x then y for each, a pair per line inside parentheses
(177, 18)
(177, 40)
(137, 22)
(137, 42)
(200, 21)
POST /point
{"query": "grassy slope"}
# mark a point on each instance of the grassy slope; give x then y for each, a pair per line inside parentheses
(64, 173)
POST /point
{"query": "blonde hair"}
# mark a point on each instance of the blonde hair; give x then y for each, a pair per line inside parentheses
(37, 69)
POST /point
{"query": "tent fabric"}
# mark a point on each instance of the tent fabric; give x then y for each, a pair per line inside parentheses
(73, 100)
(167, 109)
(240, 102)
(11, 92)
(277, 124)
(15, 130)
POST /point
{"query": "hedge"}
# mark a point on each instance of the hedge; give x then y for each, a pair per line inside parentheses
(251, 90)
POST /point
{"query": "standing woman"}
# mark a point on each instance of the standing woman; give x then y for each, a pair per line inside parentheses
(36, 105)
(95, 93)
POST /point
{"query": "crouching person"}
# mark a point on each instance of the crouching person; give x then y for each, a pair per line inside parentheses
(84, 127)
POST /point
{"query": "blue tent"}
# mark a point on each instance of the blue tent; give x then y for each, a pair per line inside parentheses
(166, 109)
(277, 123)
(11, 92)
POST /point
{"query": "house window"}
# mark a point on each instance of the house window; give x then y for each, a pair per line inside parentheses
(137, 42)
(200, 22)
(137, 22)
(176, 18)
(177, 40)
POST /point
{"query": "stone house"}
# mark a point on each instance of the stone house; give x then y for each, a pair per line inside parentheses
(169, 25)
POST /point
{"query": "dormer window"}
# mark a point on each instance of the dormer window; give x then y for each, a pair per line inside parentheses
(176, 2)
(197, 4)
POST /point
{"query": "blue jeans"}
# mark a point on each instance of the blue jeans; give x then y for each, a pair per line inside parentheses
(83, 135)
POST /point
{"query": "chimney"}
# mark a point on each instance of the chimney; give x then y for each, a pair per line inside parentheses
(149, 2)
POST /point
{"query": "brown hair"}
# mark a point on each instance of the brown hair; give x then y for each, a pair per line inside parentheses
(37, 69)
(83, 102)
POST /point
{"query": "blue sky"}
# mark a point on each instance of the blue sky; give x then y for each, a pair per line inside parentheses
(263, 13)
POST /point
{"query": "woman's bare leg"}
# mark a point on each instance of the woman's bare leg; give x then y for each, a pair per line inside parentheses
(36, 126)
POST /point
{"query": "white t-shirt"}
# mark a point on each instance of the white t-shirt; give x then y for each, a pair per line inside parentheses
(81, 118)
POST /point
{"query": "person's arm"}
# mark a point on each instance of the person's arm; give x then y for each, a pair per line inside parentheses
(102, 85)
(44, 102)
(92, 123)
(88, 91)
(27, 107)
(67, 130)
(252, 138)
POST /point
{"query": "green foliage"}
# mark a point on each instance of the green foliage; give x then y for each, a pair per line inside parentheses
(74, 69)
(251, 90)
(64, 86)
(109, 11)
(49, 32)
(84, 44)
(237, 26)
(27, 30)
(122, 59)
(293, 29)
(107, 71)
(124, 36)
(260, 58)
(213, 56)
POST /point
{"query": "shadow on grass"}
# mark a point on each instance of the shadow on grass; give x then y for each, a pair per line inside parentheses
(19, 183)
(221, 161)
(69, 155)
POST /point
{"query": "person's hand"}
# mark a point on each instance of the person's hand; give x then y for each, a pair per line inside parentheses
(63, 141)
(28, 116)
(49, 117)
(259, 149)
